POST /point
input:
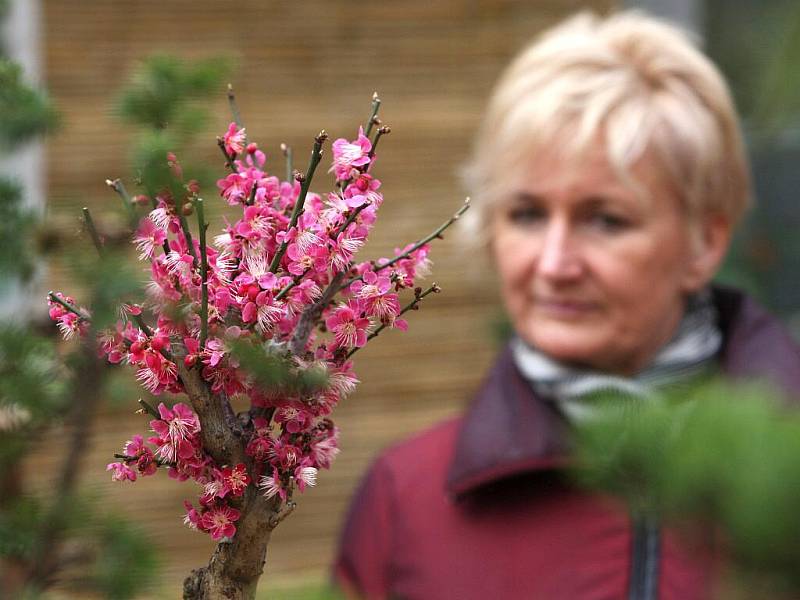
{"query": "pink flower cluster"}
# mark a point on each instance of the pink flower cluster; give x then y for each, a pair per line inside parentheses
(289, 436)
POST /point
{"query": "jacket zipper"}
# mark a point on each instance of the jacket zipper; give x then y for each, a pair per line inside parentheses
(645, 558)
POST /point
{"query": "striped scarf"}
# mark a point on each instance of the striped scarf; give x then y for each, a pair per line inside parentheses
(688, 355)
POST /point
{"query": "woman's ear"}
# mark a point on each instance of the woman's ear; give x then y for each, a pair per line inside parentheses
(710, 239)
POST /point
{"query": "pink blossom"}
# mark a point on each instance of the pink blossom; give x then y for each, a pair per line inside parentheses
(145, 459)
(348, 326)
(294, 419)
(176, 431)
(121, 472)
(325, 451)
(234, 140)
(219, 521)
(259, 448)
(305, 475)
(348, 156)
(373, 291)
(235, 188)
(192, 518)
(345, 246)
(235, 479)
(147, 238)
(272, 486)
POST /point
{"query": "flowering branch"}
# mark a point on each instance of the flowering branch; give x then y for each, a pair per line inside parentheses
(228, 158)
(187, 233)
(376, 104)
(280, 336)
(203, 273)
(413, 305)
(305, 182)
(436, 234)
(158, 461)
(237, 117)
(290, 286)
(142, 325)
(71, 308)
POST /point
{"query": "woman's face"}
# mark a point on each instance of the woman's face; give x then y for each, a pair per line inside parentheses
(592, 273)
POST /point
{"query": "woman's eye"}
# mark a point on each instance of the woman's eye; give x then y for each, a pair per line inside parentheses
(525, 215)
(609, 222)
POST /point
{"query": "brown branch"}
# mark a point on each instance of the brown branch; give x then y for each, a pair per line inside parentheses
(219, 440)
(310, 315)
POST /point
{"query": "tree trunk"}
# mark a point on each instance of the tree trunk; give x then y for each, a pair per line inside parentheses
(236, 566)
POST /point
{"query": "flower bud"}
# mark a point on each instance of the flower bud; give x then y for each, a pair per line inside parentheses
(188, 209)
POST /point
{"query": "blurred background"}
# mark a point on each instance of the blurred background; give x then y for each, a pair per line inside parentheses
(301, 67)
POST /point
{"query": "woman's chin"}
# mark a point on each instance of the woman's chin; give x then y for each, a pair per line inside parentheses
(568, 343)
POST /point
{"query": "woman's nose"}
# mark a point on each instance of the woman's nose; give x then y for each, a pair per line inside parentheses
(559, 258)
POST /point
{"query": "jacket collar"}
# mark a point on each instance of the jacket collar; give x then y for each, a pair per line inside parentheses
(508, 430)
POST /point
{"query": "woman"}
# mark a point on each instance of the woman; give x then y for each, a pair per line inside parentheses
(608, 178)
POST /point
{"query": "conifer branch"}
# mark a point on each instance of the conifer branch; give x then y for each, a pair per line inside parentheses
(87, 219)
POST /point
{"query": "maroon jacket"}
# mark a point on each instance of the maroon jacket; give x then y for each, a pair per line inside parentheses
(477, 508)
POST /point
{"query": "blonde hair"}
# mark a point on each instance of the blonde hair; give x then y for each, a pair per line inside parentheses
(632, 81)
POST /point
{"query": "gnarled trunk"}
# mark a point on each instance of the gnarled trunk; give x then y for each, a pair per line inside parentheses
(236, 566)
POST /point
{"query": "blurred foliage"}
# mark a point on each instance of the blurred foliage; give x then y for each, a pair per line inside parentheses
(125, 559)
(165, 90)
(102, 554)
(730, 457)
(272, 369)
(303, 592)
(17, 227)
(32, 392)
(757, 46)
(166, 100)
(26, 111)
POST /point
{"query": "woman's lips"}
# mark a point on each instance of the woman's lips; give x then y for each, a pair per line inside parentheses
(564, 308)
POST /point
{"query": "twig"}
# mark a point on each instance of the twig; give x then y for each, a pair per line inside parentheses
(203, 273)
(187, 233)
(237, 117)
(419, 295)
(436, 234)
(160, 462)
(316, 155)
(148, 408)
(287, 152)
(376, 104)
(119, 187)
(351, 217)
(228, 159)
(67, 305)
(280, 516)
(291, 285)
(87, 218)
(142, 325)
(381, 132)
